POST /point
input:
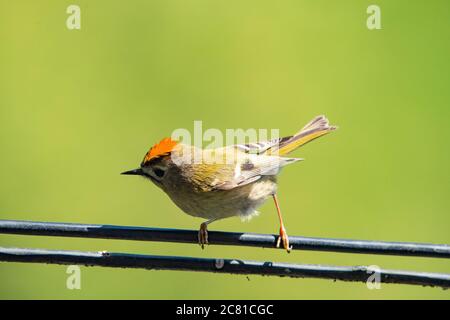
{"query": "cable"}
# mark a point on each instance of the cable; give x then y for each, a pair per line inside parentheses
(222, 238)
(230, 266)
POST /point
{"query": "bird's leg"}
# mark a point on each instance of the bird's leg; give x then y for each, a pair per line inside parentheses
(283, 235)
(203, 233)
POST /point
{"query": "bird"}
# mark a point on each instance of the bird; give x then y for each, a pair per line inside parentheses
(224, 182)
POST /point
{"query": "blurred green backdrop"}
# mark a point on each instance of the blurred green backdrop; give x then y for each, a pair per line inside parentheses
(78, 107)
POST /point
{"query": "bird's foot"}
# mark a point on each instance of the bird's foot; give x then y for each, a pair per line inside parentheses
(203, 235)
(283, 237)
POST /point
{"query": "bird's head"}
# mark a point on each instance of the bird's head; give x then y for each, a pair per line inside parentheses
(157, 162)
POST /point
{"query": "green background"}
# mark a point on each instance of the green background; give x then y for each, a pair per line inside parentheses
(79, 107)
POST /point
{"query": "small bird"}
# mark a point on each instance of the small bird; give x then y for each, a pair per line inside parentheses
(228, 181)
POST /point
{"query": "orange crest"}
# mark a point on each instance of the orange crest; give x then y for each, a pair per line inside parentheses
(162, 148)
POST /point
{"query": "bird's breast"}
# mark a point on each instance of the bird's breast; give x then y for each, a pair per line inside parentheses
(240, 201)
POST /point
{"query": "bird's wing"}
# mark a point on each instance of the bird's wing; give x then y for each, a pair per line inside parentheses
(262, 146)
(251, 168)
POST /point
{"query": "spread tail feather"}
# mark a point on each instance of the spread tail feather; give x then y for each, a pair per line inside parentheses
(318, 127)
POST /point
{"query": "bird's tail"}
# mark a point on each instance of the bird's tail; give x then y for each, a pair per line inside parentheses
(318, 127)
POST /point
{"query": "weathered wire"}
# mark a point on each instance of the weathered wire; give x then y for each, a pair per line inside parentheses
(229, 266)
(222, 238)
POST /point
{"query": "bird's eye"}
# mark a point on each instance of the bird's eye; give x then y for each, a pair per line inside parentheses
(159, 173)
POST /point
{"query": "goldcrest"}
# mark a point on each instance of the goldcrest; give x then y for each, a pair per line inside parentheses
(214, 184)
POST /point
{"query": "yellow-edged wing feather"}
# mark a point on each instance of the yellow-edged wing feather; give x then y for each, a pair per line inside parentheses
(318, 127)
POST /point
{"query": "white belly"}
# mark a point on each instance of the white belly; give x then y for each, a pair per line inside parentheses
(241, 201)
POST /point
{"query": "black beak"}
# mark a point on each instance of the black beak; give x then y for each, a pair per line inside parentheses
(135, 172)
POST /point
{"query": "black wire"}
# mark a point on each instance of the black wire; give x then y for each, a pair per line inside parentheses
(229, 266)
(222, 238)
